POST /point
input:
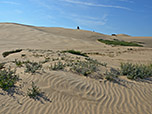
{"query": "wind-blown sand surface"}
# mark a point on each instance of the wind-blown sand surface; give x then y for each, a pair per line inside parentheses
(67, 92)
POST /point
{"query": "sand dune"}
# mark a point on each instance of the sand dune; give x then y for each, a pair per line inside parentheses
(66, 92)
(123, 35)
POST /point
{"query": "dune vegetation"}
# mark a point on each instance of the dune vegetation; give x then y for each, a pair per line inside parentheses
(134, 71)
(8, 78)
(118, 42)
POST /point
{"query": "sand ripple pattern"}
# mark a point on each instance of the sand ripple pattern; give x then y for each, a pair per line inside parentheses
(73, 94)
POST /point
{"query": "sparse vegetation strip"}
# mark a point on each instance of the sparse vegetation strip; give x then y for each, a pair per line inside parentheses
(118, 42)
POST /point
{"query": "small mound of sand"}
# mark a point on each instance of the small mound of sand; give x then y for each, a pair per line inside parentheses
(123, 35)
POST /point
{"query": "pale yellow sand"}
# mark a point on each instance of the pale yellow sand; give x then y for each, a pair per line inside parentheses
(66, 92)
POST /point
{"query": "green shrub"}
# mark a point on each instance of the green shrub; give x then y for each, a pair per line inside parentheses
(32, 67)
(18, 63)
(7, 79)
(108, 77)
(84, 67)
(118, 42)
(58, 66)
(5, 54)
(134, 71)
(112, 74)
(76, 53)
(33, 92)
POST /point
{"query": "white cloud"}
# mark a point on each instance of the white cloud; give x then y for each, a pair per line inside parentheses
(96, 5)
(89, 20)
(127, 1)
(48, 5)
(9, 2)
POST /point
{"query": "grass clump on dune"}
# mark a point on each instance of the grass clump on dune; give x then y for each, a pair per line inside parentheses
(58, 66)
(134, 71)
(32, 67)
(34, 92)
(84, 67)
(112, 74)
(18, 63)
(7, 79)
(76, 53)
(118, 42)
(109, 78)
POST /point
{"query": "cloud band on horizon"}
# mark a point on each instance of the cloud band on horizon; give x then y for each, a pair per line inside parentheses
(9, 2)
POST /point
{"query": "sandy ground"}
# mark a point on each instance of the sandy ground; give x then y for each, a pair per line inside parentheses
(66, 92)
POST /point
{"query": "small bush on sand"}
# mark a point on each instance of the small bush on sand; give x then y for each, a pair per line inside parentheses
(134, 71)
(84, 67)
(7, 79)
(112, 74)
(33, 92)
(18, 63)
(32, 67)
(58, 66)
(108, 77)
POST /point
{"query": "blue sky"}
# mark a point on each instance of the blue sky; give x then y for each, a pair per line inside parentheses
(133, 17)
